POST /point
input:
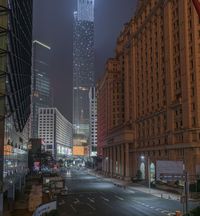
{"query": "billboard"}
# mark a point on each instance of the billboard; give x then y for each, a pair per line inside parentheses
(168, 169)
(80, 151)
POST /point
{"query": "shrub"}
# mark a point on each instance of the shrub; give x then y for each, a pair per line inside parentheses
(194, 212)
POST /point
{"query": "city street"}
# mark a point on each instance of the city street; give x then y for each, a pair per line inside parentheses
(91, 195)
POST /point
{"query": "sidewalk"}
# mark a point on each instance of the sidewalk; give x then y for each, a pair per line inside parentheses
(155, 192)
(139, 187)
(20, 207)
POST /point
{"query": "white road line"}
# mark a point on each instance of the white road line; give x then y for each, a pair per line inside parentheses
(91, 200)
(73, 208)
(120, 198)
(107, 200)
(91, 207)
(165, 212)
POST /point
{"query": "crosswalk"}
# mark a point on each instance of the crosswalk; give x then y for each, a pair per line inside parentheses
(92, 199)
(163, 211)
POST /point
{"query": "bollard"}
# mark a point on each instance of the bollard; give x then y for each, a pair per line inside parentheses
(178, 213)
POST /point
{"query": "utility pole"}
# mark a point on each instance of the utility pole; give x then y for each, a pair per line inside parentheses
(149, 173)
(186, 192)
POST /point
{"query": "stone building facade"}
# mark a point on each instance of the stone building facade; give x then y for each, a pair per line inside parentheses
(158, 55)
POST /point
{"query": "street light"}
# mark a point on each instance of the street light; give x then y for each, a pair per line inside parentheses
(148, 169)
(186, 188)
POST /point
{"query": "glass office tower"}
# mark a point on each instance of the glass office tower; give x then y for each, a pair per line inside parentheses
(41, 91)
(83, 68)
(15, 91)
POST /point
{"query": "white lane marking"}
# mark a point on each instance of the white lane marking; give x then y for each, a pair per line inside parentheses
(165, 212)
(76, 201)
(91, 207)
(120, 198)
(107, 200)
(73, 208)
(91, 200)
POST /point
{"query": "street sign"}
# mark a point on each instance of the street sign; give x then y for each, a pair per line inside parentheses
(172, 176)
(170, 169)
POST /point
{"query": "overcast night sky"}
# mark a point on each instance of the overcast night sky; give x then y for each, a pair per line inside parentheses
(53, 25)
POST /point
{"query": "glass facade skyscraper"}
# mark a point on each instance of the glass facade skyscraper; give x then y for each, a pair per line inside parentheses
(41, 91)
(93, 122)
(83, 68)
(15, 89)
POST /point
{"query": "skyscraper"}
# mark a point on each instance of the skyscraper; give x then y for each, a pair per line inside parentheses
(15, 88)
(56, 132)
(41, 91)
(93, 123)
(83, 68)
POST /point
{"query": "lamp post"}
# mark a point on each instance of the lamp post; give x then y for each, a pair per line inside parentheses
(149, 171)
(186, 189)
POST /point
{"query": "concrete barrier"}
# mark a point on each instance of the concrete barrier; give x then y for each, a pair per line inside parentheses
(45, 208)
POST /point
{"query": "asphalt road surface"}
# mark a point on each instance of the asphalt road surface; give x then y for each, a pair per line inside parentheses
(91, 195)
